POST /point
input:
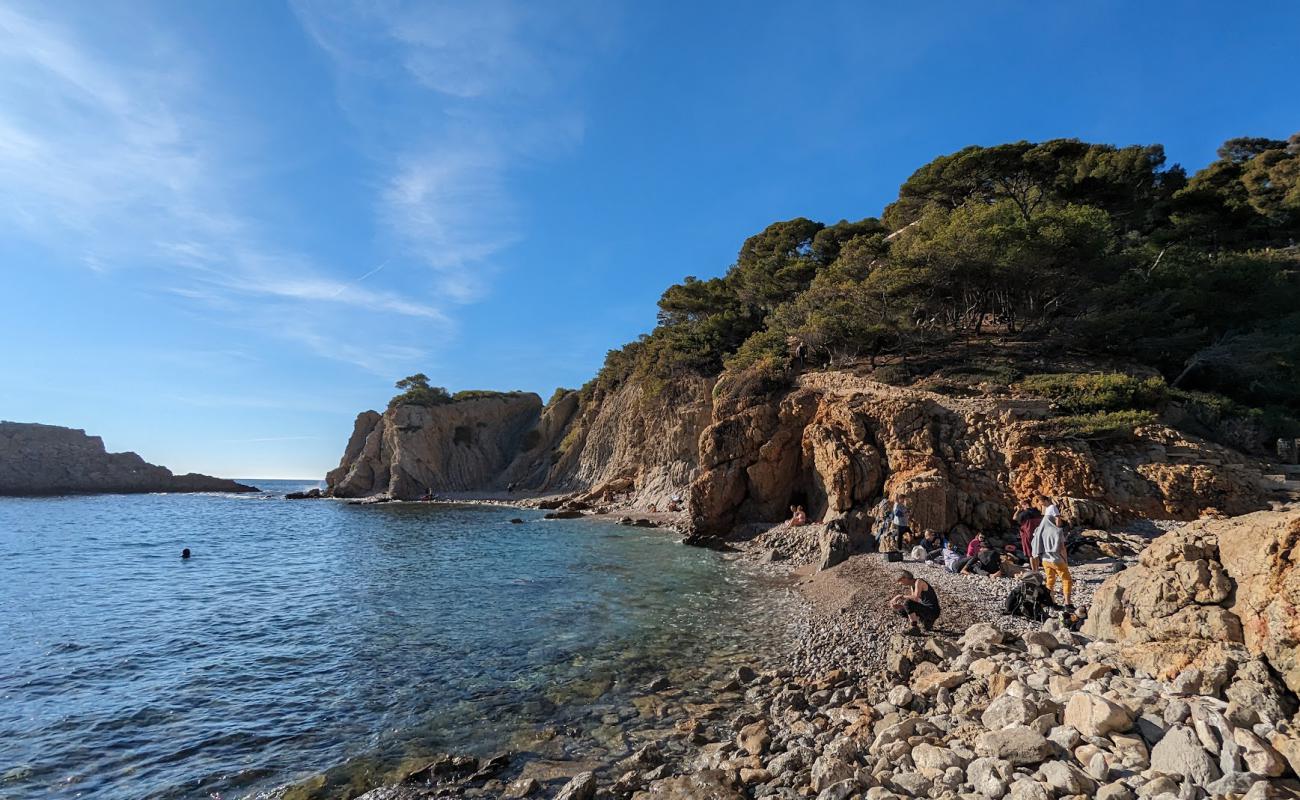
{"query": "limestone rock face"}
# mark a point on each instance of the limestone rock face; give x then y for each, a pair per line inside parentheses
(460, 446)
(47, 459)
(1206, 597)
(836, 442)
(629, 443)
(1263, 559)
(642, 437)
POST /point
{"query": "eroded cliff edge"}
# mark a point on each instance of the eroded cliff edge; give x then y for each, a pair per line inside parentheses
(837, 441)
(834, 442)
(40, 459)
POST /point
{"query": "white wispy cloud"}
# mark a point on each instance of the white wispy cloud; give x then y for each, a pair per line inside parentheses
(490, 84)
(110, 158)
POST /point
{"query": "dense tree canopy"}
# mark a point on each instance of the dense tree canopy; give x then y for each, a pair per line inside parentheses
(1085, 247)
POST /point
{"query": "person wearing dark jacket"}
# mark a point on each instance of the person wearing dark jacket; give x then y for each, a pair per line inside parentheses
(1026, 521)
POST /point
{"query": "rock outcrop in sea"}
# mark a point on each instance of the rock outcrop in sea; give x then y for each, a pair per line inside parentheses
(40, 459)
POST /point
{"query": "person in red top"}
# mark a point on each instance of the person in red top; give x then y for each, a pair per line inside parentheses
(1026, 520)
(975, 546)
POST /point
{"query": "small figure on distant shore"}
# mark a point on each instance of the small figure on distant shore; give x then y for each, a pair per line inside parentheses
(798, 516)
(918, 602)
(185, 553)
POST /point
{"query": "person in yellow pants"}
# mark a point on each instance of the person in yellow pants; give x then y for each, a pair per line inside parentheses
(1049, 549)
(1053, 569)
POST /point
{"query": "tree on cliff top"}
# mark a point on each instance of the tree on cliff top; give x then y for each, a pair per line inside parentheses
(416, 391)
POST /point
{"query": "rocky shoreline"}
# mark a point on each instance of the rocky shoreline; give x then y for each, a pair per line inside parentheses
(988, 706)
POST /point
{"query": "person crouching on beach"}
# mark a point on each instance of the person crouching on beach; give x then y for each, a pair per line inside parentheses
(918, 602)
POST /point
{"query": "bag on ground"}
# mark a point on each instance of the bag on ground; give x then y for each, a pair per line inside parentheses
(1029, 599)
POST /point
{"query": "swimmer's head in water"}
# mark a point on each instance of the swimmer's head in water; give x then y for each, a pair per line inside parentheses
(185, 553)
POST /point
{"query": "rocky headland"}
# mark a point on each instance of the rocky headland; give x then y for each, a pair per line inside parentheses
(834, 442)
(48, 460)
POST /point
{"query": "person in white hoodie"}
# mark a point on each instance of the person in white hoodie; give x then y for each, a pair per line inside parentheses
(1049, 549)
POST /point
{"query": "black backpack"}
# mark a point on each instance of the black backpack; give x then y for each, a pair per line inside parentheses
(1029, 599)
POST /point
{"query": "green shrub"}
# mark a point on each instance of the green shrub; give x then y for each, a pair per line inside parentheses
(1086, 392)
(998, 375)
(1097, 425)
(893, 374)
(570, 439)
(766, 375)
(483, 394)
(767, 346)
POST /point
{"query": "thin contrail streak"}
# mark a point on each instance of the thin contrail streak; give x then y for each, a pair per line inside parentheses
(339, 291)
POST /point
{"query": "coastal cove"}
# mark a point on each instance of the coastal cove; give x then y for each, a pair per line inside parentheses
(328, 648)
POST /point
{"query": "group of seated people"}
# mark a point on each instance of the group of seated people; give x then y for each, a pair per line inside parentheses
(978, 558)
(1042, 547)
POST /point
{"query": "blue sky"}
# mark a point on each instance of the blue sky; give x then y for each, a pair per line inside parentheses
(226, 227)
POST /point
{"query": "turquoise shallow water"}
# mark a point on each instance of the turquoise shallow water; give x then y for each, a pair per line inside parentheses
(306, 637)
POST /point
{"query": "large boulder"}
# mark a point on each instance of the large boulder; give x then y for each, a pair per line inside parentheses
(1207, 597)
(834, 547)
(1094, 715)
(1263, 558)
(1180, 753)
(1017, 744)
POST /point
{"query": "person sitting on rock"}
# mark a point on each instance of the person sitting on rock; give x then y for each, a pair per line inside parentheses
(975, 545)
(1011, 556)
(933, 545)
(1049, 549)
(798, 516)
(952, 560)
(1026, 521)
(918, 602)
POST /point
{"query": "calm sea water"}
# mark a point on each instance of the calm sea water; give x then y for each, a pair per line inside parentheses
(321, 639)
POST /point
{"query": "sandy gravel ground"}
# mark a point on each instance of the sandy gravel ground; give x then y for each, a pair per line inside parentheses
(845, 620)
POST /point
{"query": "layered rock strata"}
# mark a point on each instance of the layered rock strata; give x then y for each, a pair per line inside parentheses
(48, 460)
(835, 443)
(838, 442)
(457, 447)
